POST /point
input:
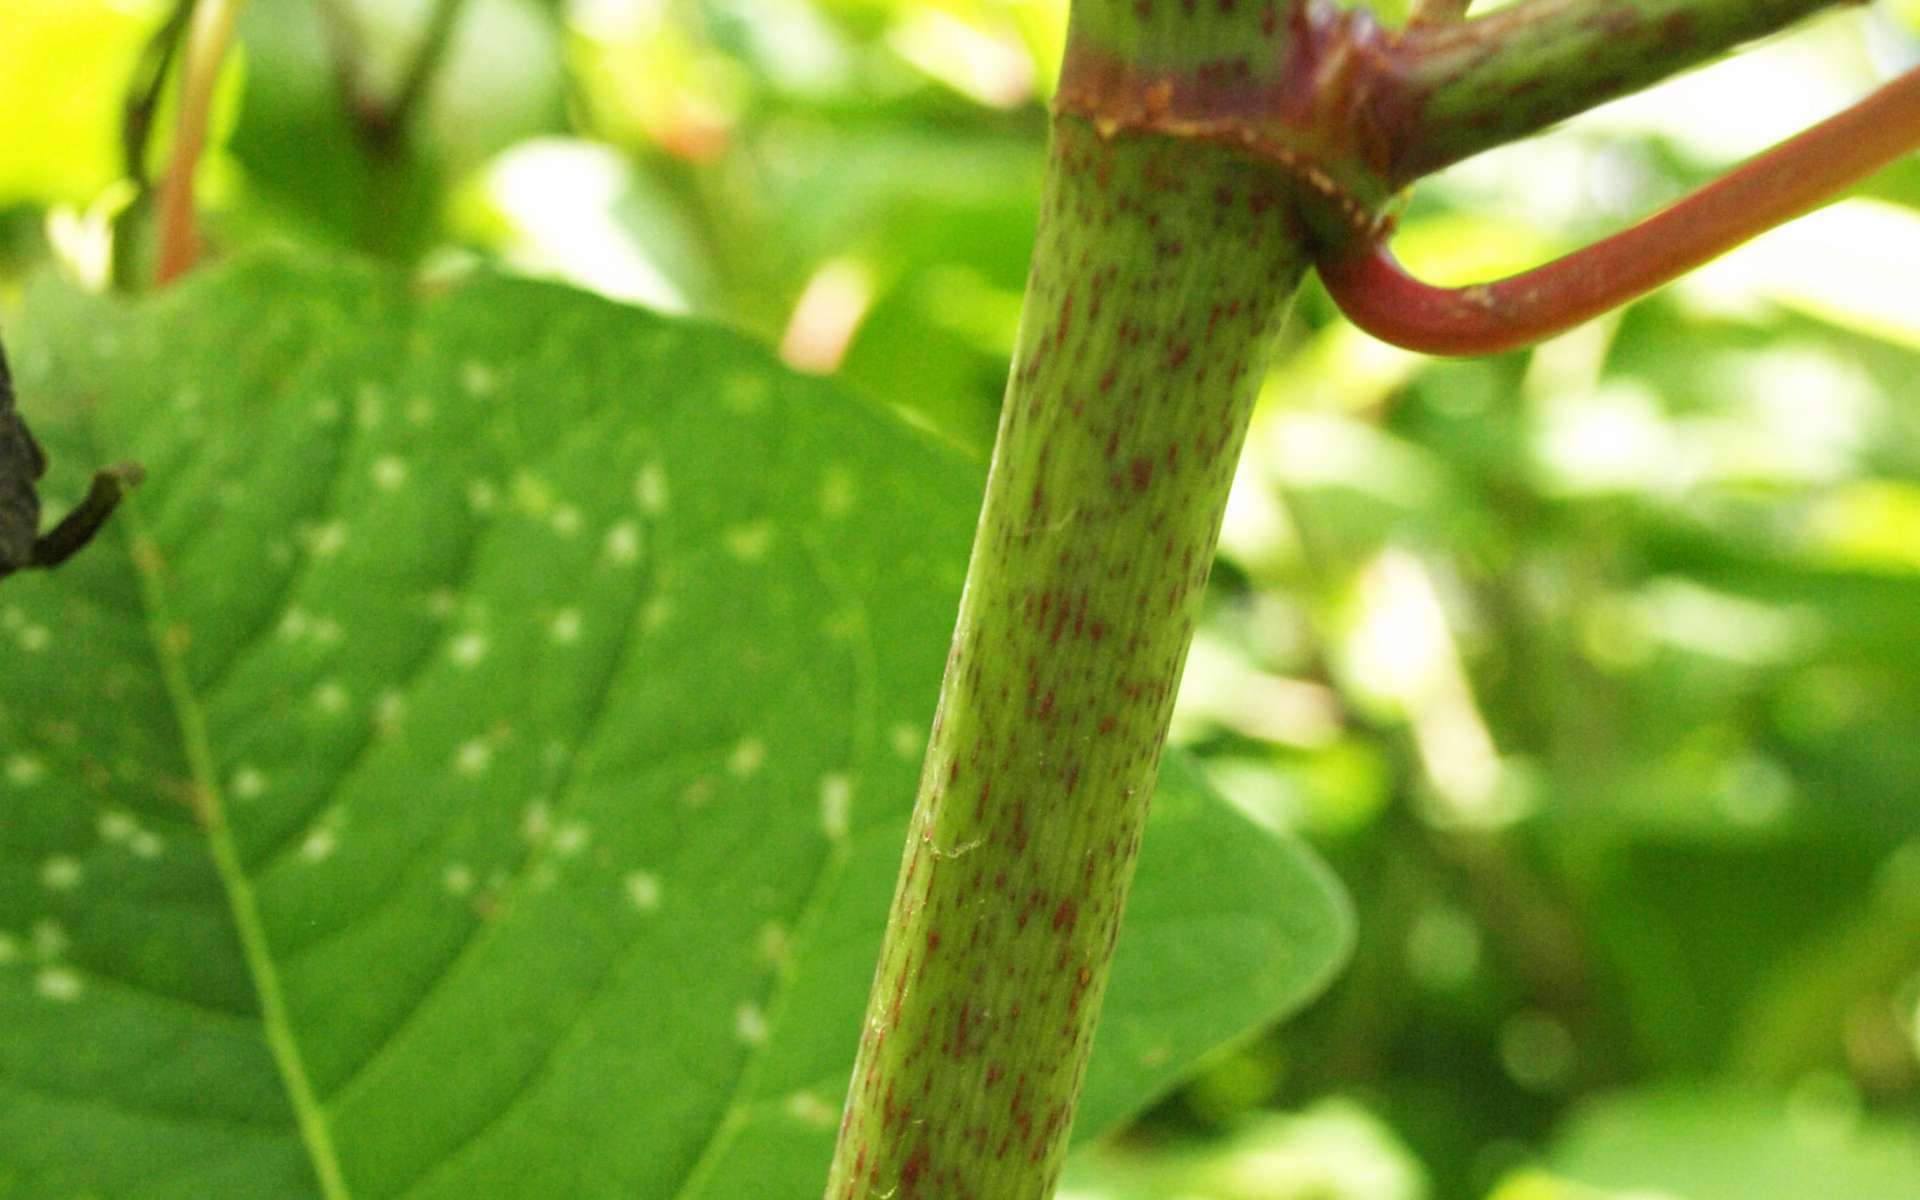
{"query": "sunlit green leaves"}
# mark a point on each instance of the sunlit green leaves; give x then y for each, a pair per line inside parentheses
(540, 686)
(1728, 1146)
(64, 69)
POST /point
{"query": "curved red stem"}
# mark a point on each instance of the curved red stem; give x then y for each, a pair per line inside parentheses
(1785, 182)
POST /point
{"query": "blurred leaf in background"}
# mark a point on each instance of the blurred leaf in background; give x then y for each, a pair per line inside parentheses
(64, 67)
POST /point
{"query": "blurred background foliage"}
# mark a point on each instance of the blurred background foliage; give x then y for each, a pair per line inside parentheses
(1592, 668)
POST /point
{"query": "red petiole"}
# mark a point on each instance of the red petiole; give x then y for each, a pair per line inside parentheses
(1785, 182)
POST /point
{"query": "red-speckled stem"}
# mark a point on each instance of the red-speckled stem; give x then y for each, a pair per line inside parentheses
(1446, 90)
(1792, 178)
(1199, 147)
(1159, 280)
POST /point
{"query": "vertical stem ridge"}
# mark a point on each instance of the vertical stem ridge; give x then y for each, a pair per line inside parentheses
(1160, 277)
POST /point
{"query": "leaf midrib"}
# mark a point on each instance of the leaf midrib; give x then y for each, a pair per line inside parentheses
(190, 719)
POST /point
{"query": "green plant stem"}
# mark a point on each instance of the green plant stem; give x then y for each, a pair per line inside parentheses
(1453, 89)
(1199, 152)
(209, 33)
(1159, 280)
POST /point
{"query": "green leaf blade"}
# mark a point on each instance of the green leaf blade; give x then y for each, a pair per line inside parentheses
(564, 675)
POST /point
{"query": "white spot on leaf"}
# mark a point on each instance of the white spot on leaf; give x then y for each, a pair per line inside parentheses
(571, 838)
(61, 873)
(59, 984)
(565, 628)
(774, 943)
(650, 489)
(24, 770)
(478, 379)
(749, 542)
(389, 709)
(810, 1109)
(836, 803)
(468, 649)
(473, 758)
(655, 613)
(746, 758)
(750, 1024)
(330, 697)
(247, 783)
(325, 541)
(643, 890)
(836, 492)
(623, 542)
(905, 740)
(389, 473)
(319, 845)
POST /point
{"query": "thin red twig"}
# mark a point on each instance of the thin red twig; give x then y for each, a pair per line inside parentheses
(1785, 182)
(208, 35)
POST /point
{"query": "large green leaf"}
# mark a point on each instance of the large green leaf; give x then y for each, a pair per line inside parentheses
(561, 673)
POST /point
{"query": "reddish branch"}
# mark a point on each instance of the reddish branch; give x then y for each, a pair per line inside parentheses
(209, 32)
(1352, 112)
(1785, 182)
